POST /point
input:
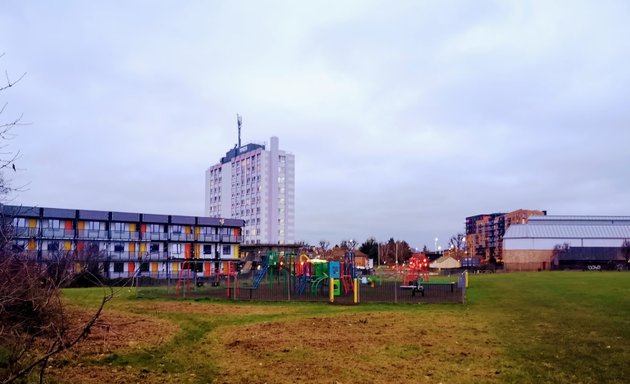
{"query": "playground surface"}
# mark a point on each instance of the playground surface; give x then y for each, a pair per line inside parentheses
(562, 327)
(279, 276)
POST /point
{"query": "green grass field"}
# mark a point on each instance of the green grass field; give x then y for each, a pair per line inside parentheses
(560, 327)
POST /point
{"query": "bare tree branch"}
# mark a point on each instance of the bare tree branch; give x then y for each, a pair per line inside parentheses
(9, 82)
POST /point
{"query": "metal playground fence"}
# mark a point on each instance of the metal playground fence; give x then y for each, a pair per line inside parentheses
(287, 277)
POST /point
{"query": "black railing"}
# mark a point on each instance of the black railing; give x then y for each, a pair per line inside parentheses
(124, 235)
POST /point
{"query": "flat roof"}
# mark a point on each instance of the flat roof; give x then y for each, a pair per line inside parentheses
(587, 219)
(567, 231)
(85, 214)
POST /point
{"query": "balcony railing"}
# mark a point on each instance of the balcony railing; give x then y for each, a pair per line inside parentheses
(102, 234)
(155, 256)
(55, 255)
(182, 236)
(57, 233)
(208, 237)
(28, 255)
(124, 235)
(155, 236)
(93, 234)
(230, 239)
(113, 255)
(26, 232)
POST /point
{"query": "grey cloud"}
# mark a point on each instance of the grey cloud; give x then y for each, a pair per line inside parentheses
(404, 117)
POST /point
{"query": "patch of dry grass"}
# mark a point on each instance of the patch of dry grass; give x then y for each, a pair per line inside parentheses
(373, 347)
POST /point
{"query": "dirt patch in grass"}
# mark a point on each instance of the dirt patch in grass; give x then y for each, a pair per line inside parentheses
(205, 308)
(367, 348)
(114, 332)
(123, 333)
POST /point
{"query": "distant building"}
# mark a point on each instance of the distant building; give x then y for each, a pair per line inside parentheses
(567, 242)
(484, 233)
(124, 244)
(445, 262)
(255, 183)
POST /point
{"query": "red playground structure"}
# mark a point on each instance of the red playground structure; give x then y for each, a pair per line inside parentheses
(417, 271)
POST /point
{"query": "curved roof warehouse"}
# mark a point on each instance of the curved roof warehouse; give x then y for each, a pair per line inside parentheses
(578, 241)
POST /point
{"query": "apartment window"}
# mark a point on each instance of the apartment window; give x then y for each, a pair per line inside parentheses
(155, 228)
(207, 230)
(119, 247)
(53, 246)
(118, 227)
(119, 267)
(144, 267)
(95, 225)
(176, 229)
(19, 245)
(19, 222)
(177, 249)
(92, 246)
(51, 223)
(207, 249)
(154, 247)
(227, 249)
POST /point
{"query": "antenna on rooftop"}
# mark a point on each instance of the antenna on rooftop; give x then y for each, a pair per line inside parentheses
(239, 121)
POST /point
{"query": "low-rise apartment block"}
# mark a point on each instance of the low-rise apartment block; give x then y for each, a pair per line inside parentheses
(125, 244)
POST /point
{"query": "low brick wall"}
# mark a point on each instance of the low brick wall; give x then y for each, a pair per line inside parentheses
(527, 260)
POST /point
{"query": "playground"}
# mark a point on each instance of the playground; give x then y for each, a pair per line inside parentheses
(279, 276)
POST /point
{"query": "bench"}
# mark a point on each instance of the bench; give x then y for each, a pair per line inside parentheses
(419, 286)
(451, 283)
(414, 289)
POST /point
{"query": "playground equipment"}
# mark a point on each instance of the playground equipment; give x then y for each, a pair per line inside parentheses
(348, 272)
(184, 278)
(417, 271)
(260, 272)
(303, 275)
(223, 271)
(187, 273)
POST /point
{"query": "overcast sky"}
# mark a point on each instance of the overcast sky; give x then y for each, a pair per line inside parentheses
(404, 116)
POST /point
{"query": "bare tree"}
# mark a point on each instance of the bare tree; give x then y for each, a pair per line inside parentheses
(33, 320)
(8, 157)
(33, 316)
(323, 247)
(457, 241)
(457, 245)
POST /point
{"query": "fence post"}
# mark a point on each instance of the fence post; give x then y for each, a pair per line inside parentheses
(287, 279)
(463, 278)
(331, 290)
(235, 282)
(356, 290)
